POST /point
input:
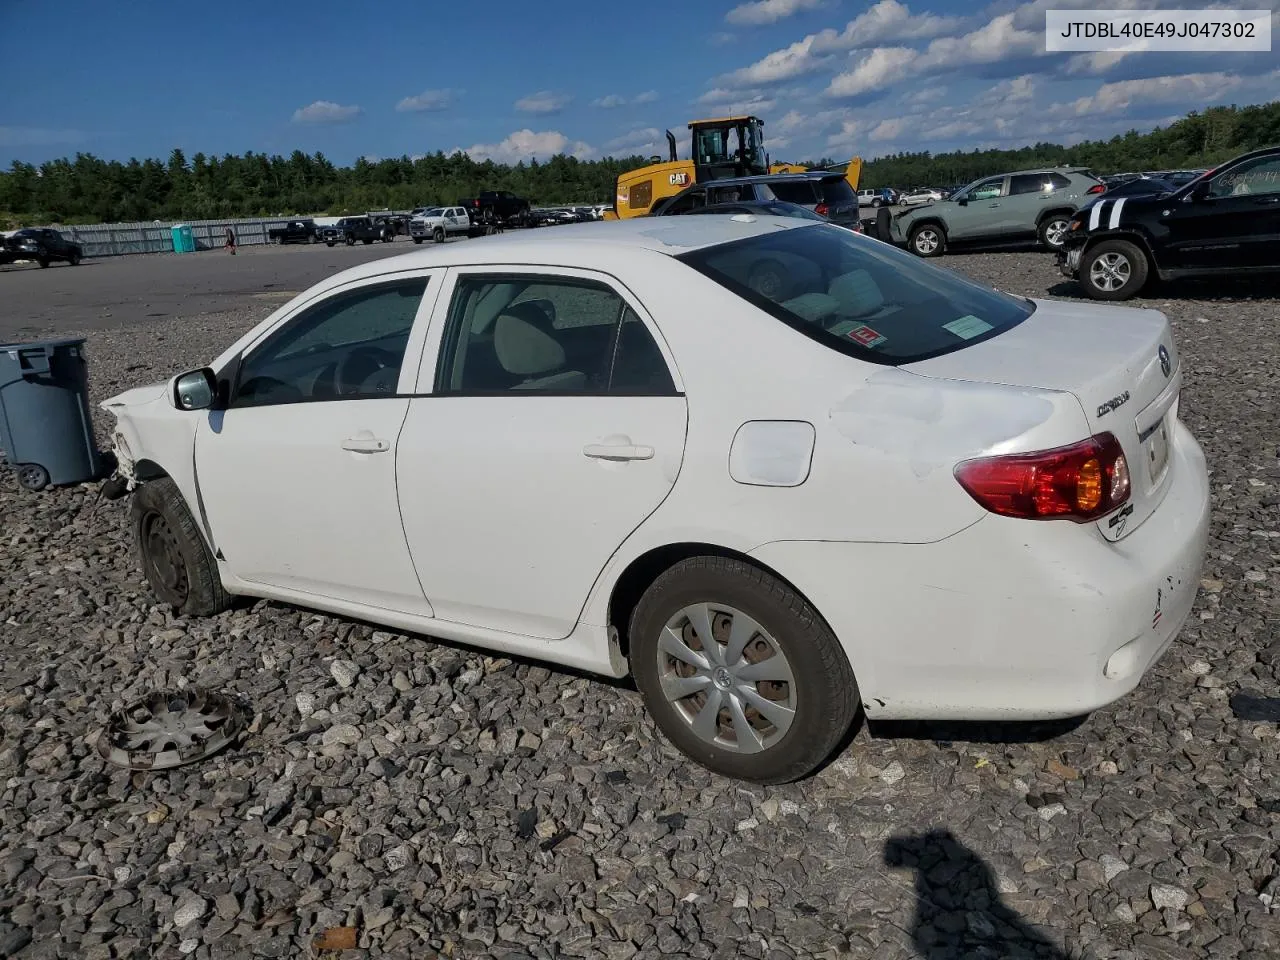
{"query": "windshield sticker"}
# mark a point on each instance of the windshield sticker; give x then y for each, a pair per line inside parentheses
(967, 327)
(866, 336)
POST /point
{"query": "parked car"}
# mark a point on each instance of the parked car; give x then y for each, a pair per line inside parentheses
(877, 197)
(1138, 186)
(825, 192)
(496, 206)
(295, 231)
(350, 229)
(920, 195)
(40, 244)
(775, 471)
(1010, 208)
(1227, 223)
(439, 223)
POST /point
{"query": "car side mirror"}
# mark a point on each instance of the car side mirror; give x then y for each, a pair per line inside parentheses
(195, 390)
(1200, 191)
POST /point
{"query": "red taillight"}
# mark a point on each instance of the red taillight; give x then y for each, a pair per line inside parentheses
(1080, 482)
(821, 209)
(1097, 188)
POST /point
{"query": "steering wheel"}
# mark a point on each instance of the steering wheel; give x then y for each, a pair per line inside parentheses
(358, 366)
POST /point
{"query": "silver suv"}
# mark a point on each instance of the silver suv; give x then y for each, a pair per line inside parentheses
(1011, 208)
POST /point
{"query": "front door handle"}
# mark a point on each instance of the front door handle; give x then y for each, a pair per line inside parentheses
(365, 445)
(617, 451)
(1272, 198)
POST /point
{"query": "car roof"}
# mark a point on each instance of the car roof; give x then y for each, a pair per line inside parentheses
(771, 178)
(580, 244)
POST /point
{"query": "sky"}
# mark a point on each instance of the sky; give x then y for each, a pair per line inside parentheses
(511, 80)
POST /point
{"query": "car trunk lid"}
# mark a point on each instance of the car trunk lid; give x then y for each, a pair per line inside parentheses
(1120, 363)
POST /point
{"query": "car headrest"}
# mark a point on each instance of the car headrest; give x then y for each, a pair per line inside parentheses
(523, 349)
(857, 292)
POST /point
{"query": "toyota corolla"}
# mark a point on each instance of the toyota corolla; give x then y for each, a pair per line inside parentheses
(779, 473)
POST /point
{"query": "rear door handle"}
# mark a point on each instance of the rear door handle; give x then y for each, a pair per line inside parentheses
(1274, 198)
(617, 451)
(365, 445)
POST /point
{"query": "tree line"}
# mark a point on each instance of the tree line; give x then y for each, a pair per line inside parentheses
(87, 189)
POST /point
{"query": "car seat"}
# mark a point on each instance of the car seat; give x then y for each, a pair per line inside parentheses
(524, 350)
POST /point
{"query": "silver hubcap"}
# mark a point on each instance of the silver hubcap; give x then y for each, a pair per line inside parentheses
(926, 241)
(1055, 232)
(727, 678)
(1110, 272)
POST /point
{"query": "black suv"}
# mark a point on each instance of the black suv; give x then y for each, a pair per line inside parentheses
(825, 192)
(41, 245)
(1226, 223)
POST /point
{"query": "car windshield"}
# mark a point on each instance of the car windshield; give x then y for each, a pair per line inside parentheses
(859, 296)
(433, 211)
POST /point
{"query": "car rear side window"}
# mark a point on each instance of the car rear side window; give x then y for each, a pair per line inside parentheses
(859, 296)
(1061, 183)
(801, 192)
(1030, 183)
(838, 193)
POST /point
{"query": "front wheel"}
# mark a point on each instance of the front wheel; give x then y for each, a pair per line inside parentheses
(927, 240)
(175, 558)
(43, 261)
(437, 235)
(417, 239)
(740, 672)
(877, 203)
(74, 259)
(328, 243)
(1053, 231)
(1113, 270)
(32, 477)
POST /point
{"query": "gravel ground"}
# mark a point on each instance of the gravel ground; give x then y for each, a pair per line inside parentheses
(448, 803)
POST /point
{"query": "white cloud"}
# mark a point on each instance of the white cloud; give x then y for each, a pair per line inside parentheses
(886, 20)
(848, 135)
(738, 101)
(1095, 63)
(1190, 88)
(616, 100)
(325, 111)
(927, 95)
(544, 101)
(38, 137)
(998, 40)
(637, 140)
(526, 144)
(880, 68)
(768, 11)
(888, 129)
(427, 101)
(1015, 90)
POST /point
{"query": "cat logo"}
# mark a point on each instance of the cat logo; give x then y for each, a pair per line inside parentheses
(679, 179)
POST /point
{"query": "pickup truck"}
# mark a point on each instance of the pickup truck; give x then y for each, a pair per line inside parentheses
(295, 231)
(438, 223)
(41, 245)
(350, 229)
(496, 206)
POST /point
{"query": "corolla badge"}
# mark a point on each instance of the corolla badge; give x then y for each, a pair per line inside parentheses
(1166, 365)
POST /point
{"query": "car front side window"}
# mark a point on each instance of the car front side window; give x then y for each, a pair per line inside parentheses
(347, 347)
(987, 190)
(1252, 178)
(536, 334)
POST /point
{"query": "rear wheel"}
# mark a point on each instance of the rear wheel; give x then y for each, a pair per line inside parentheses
(175, 558)
(74, 259)
(33, 477)
(877, 202)
(1053, 230)
(740, 672)
(927, 240)
(43, 261)
(1113, 270)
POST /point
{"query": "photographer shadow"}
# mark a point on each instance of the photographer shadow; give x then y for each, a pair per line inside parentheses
(959, 913)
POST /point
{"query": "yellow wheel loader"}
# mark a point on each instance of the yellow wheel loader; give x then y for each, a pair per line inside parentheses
(724, 147)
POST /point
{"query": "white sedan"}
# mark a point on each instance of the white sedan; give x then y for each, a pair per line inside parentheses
(776, 471)
(916, 197)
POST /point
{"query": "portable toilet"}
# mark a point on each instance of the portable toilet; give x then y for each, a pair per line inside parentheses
(184, 240)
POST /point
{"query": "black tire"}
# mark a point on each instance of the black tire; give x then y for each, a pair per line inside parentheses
(174, 556)
(826, 693)
(927, 240)
(1054, 225)
(1119, 263)
(417, 239)
(438, 235)
(367, 241)
(32, 477)
(43, 261)
(74, 259)
(329, 243)
(877, 202)
(884, 225)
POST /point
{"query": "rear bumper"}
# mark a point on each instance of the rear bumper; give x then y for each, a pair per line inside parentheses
(1010, 619)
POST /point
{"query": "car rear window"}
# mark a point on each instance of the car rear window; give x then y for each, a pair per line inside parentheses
(839, 193)
(801, 191)
(859, 296)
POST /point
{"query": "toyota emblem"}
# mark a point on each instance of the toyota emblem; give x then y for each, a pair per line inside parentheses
(1165, 364)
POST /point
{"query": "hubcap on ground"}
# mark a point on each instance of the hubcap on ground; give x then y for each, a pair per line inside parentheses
(165, 565)
(169, 728)
(1055, 232)
(726, 677)
(926, 241)
(1110, 272)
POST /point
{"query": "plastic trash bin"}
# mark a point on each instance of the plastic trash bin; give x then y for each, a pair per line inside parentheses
(184, 239)
(46, 430)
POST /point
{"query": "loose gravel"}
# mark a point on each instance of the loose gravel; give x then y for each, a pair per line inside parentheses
(444, 802)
